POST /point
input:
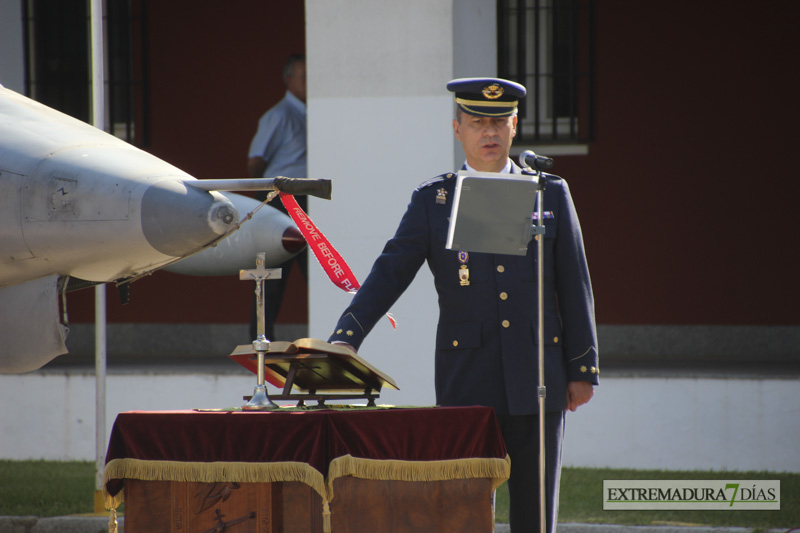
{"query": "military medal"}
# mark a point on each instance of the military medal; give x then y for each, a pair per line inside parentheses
(441, 196)
(463, 275)
(463, 271)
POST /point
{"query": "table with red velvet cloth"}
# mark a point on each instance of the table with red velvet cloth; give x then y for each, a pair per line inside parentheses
(314, 447)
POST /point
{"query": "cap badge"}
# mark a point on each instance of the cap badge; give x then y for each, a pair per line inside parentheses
(493, 91)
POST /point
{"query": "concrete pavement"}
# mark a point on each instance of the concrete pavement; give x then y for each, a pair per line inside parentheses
(56, 524)
(99, 524)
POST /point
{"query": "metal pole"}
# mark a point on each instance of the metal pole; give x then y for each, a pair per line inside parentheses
(542, 390)
(98, 120)
(100, 393)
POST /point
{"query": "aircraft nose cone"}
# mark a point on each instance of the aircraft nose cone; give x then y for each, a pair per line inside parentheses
(177, 220)
(292, 240)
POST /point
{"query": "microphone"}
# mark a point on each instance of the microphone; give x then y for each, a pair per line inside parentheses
(538, 162)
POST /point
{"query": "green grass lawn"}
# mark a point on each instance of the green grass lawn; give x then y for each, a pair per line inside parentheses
(48, 488)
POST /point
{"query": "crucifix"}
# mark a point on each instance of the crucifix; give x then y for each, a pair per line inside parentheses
(260, 400)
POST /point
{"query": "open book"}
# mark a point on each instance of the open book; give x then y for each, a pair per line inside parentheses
(314, 365)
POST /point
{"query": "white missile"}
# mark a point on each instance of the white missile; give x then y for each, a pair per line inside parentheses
(80, 205)
(269, 231)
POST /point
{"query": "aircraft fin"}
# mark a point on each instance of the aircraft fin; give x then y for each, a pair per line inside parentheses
(31, 332)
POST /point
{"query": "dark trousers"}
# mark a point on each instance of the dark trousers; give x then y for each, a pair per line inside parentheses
(521, 434)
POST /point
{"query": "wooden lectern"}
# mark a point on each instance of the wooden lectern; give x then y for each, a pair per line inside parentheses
(376, 470)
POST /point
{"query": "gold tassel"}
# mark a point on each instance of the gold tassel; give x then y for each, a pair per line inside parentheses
(112, 521)
(326, 516)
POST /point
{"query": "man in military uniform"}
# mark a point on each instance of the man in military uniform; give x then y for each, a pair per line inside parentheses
(487, 336)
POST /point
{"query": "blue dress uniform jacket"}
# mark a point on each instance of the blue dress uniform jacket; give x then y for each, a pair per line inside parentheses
(487, 336)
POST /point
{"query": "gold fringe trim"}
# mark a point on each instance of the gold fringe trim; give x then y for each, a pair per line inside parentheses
(208, 473)
(497, 470)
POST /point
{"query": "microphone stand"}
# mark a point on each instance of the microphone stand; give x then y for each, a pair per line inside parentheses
(538, 231)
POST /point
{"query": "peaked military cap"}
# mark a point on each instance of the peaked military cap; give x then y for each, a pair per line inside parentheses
(487, 97)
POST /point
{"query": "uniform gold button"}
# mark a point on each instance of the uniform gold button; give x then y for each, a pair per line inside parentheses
(555, 340)
(506, 323)
(455, 343)
(501, 268)
(504, 296)
(536, 237)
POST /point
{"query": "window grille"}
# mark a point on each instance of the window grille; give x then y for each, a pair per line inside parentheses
(58, 58)
(547, 46)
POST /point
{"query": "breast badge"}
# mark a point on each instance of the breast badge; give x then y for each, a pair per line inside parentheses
(463, 270)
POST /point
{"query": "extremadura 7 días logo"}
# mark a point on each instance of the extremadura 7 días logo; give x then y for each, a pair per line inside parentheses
(677, 494)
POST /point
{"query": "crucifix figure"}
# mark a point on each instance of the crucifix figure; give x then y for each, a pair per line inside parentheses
(260, 401)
